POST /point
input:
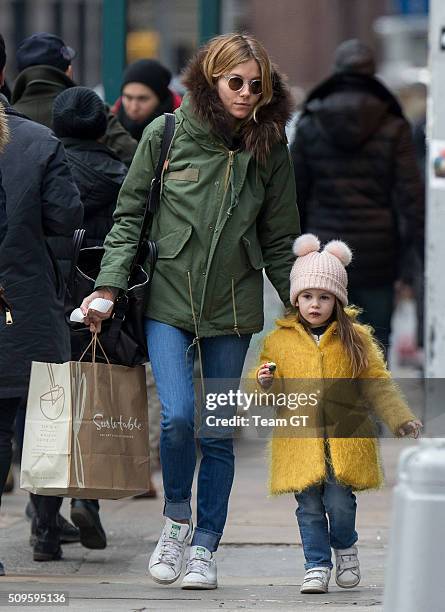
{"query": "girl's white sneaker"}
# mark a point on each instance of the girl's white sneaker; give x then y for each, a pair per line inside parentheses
(200, 572)
(316, 580)
(347, 574)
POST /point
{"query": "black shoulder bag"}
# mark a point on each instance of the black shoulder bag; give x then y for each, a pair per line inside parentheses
(123, 335)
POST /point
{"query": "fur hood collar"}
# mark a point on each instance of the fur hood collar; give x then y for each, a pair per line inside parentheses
(4, 132)
(258, 137)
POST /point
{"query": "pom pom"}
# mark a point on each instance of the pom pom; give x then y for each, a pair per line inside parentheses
(340, 250)
(305, 244)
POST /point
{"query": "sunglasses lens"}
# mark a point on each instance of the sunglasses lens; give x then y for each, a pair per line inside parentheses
(256, 87)
(235, 83)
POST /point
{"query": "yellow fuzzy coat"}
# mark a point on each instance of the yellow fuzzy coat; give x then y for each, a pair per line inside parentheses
(299, 462)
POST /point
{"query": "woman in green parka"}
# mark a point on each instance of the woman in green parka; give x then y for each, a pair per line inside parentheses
(228, 211)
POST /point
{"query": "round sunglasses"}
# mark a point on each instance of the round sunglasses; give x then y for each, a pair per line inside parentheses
(236, 83)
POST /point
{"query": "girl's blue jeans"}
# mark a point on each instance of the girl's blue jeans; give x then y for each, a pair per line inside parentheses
(223, 358)
(316, 505)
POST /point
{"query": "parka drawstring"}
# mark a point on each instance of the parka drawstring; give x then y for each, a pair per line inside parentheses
(196, 339)
(235, 318)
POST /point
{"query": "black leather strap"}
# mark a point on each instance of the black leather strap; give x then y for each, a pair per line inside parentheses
(154, 195)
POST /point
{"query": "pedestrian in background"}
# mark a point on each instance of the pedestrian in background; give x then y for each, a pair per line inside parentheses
(80, 121)
(228, 210)
(357, 180)
(322, 340)
(145, 96)
(45, 69)
(41, 200)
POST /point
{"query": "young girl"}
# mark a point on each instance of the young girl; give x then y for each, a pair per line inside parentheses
(323, 341)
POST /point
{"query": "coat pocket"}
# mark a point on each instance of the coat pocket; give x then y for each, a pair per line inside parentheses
(253, 251)
(172, 244)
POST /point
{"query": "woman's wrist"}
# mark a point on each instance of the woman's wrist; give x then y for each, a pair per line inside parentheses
(113, 290)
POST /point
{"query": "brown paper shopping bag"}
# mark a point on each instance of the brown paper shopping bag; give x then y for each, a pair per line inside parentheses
(86, 431)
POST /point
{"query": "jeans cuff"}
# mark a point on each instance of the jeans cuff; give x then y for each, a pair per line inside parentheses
(208, 539)
(308, 566)
(177, 511)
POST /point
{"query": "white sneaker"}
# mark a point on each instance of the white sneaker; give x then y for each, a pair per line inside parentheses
(316, 580)
(347, 573)
(200, 572)
(165, 564)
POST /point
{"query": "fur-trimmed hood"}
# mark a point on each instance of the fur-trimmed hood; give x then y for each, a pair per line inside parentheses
(4, 132)
(258, 137)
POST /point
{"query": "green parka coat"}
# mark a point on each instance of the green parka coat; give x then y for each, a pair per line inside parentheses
(225, 214)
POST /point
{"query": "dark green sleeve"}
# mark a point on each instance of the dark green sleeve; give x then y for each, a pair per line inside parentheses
(119, 140)
(279, 225)
(121, 242)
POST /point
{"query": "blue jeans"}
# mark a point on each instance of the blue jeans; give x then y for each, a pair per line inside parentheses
(222, 357)
(314, 503)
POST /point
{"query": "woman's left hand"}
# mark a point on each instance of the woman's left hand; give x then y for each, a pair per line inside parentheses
(411, 428)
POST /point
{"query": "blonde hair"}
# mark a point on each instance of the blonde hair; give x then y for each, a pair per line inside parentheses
(223, 53)
(349, 335)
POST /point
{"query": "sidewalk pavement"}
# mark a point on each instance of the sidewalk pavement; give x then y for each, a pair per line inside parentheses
(260, 560)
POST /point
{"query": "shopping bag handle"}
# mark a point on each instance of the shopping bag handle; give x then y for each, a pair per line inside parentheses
(95, 341)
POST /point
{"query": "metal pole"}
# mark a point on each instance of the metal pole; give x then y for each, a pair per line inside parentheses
(414, 575)
(435, 251)
(209, 19)
(114, 33)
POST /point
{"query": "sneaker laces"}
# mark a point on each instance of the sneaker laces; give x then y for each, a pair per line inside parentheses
(170, 551)
(315, 573)
(197, 566)
(347, 561)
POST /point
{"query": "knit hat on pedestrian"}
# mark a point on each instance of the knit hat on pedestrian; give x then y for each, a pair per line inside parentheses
(78, 112)
(320, 270)
(353, 56)
(151, 73)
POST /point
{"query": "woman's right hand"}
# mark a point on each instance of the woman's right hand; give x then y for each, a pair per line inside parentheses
(93, 318)
(265, 375)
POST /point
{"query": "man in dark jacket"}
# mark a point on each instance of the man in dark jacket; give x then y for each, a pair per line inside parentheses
(45, 70)
(46, 203)
(357, 179)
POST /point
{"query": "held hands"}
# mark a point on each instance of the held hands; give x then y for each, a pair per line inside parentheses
(266, 374)
(93, 318)
(411, 429)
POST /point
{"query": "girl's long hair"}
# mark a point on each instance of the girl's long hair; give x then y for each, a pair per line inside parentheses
(351, 339)
(349, 335)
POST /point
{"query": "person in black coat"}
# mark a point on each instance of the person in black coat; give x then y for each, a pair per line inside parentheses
(80, 120)
(41, 200)
(357, 179)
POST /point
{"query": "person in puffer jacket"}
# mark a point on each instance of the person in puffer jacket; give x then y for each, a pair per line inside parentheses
(357, 180)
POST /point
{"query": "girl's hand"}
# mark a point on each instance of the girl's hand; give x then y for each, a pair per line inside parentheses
(93, 318)
(411, 428)
(266, 373)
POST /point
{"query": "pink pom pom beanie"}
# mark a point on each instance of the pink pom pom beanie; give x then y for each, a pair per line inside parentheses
(320, 270)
